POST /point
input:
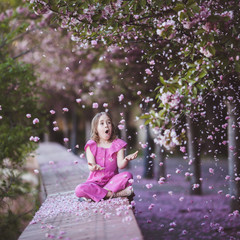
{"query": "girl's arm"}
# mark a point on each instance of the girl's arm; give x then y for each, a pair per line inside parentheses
(91, 161)
(122, 161)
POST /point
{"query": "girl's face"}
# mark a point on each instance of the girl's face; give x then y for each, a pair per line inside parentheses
(104, 128)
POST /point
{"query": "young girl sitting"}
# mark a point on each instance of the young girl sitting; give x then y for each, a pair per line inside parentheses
(105, 154)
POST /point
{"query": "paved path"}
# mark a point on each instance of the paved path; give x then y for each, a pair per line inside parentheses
(62, 216)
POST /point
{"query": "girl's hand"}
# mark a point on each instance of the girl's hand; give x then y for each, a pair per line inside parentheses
(95, 167)
(131, 156)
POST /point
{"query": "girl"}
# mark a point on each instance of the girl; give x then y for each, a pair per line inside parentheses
(105, 154)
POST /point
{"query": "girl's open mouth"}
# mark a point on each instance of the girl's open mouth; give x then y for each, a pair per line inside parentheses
(107, 131)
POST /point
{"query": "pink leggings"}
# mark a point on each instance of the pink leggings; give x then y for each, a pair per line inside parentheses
(92, 190)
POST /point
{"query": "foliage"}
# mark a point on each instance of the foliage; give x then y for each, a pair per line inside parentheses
(198, 42)
(19, 96)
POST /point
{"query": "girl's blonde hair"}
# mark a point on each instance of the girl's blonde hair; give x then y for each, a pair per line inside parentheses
(94, 124)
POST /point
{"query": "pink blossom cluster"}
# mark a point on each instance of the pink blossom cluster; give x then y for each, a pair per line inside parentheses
(167, 138)
(173, 100)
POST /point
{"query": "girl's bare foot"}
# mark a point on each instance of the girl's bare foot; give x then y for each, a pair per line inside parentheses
(128, 191)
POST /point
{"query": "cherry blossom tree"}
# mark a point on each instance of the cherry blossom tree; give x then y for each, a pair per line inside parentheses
(199, 39)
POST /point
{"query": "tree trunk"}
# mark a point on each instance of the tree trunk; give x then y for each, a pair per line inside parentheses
(65, 129)
(148, 161)
(73, 140)
(192, 134)
(161, 157)
(124, 134)
(233, 155)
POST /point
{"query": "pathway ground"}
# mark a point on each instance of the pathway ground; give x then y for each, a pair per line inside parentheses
(62, 216)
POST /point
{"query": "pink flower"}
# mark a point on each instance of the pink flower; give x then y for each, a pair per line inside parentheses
(230, 98)
(28, 115)
(139, 177)
(105, 105)
(143, 145)
(227, 177)
(2, 17)
(93, 42)
(139, 92)
(36, 171)
(153, 155)
(173, 224)
(184, 232)
(151, 206)
(133, 203)
(181, 199)
(195, 185)
(211, 170)
(51, 162)
(148, 71)
(224, 125)
(55, 129)
(95, 105)
(183, 149)
(31, 138)
(141, 126)
(120, 98)
(152, 62)
(210, 137)
(52, 112)
(148, 186)
(82, 155)
(78, 100)
(65, 139)
(35, 120)
(65, 109)
(178, 171)
(75, 162)
(9, 12)
(120, 127)
(130, 180)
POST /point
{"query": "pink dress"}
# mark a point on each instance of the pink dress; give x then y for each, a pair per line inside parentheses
(109, 178)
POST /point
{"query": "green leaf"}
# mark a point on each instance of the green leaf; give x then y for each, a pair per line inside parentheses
(162, 113)
(212, 50)
(147, 121)
(237, 68)
(203, 73)
(179, 7)
(162, 80)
